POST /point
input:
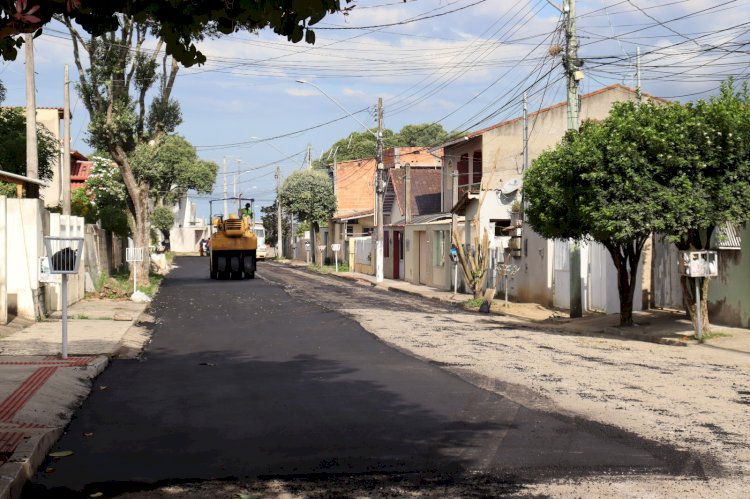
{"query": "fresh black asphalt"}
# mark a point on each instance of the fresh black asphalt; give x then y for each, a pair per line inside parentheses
(243, 380)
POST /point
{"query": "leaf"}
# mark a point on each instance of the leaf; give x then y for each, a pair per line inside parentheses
(61, 453)
(96, 494)
(88, 434)
(102, 387)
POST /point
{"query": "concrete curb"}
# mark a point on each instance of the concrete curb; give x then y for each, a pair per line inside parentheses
(31, 453)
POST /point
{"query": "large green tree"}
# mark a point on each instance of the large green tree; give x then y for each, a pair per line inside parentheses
(171, 167)
(180, 23)
(308, 194)
(679, 170)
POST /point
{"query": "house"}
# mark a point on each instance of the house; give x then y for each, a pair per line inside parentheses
(354, 219)
(412, 197)
(187, 230)
(80, 170)
(482, 181)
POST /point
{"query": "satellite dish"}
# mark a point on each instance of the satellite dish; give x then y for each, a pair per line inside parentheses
(510, 186)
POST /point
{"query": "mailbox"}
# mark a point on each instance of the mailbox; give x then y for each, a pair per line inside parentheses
(699, 263)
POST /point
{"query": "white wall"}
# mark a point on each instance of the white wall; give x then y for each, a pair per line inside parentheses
(24, 236)
(3, 263)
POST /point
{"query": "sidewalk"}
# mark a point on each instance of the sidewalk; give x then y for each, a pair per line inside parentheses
(39, 391)
(666, 327)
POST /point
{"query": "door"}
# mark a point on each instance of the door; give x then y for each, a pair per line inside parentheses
(561, 276)
(599, 258)
(396, 254)
(424, 257)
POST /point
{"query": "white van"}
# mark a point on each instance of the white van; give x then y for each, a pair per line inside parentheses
(260, 233)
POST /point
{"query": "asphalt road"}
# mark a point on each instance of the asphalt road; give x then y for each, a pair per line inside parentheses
(243, 380)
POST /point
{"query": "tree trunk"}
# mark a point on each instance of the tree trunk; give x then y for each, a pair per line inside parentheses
(626, 258)
(688, 291)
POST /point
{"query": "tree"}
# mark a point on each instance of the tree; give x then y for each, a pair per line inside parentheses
(599, 184)
(180, 23)
(361, 145)
(13, 144)
(171, 167)
(270, 223)
(162, 218)
(422, 135)
(108, 196)
(308, 194)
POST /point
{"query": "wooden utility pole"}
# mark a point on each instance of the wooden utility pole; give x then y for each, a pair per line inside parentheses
(380, 190)
(66, 147)
(32, 156)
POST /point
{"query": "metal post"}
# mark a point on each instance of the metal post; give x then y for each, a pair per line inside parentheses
(336, 258)
(698, 319)
(135, 278)
(226, 208)
(506, 288)
(455, 278)
(64, 316)
(525, 131)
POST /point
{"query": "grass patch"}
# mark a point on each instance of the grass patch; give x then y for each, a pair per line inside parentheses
(328, 269)
(119, 286)
(474, 303)
(82, 317)
(713, 335)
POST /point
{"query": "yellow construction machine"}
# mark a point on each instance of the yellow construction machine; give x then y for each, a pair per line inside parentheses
(233, 243)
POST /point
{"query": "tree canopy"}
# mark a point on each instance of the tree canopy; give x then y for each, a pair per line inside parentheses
(170, 165)
(308, 194)
(13, 144)
(180, 23)
(361, 145)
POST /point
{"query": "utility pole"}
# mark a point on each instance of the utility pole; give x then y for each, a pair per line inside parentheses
(66, 147)
(525, 131)
(573, 74)
(309, 156)
(380, 190)
(32, 156)
(638, 95)
(226, 210)
(279, 246)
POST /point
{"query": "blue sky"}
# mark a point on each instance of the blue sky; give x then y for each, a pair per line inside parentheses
(463, 63)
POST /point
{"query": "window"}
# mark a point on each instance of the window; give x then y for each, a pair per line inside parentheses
(438, 250)
(350, 230)
(386, 245)
(463, 170)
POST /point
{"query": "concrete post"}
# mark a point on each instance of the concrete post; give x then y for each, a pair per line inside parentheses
(3, 263)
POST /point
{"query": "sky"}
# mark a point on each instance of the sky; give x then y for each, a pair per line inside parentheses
(461, 63)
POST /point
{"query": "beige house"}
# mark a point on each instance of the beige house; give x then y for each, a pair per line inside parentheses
(482, 181)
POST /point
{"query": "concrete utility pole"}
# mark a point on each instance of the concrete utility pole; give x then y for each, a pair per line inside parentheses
(638, 95)
(226, 210)
(573, 73)
(525, 131)
(279, 246)
(32, 156)
(380, 190)
(66, 147)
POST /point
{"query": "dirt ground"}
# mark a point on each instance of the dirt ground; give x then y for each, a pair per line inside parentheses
(696, 398)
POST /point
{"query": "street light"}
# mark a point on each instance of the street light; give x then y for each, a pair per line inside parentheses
(380, 182)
